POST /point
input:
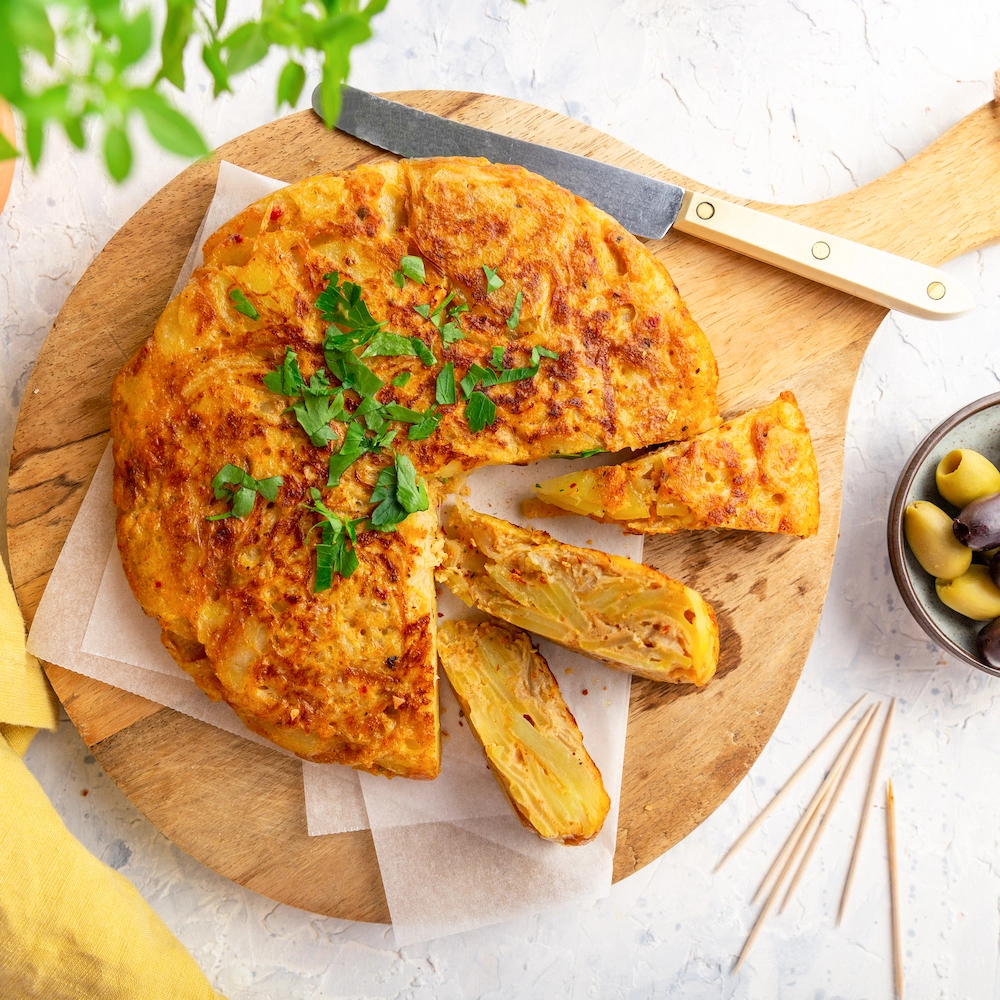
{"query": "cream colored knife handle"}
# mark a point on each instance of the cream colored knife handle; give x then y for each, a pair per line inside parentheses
(875, 275)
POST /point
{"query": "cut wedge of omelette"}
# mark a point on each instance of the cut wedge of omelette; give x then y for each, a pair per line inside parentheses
(629, 616)
(757, 472)
(574, 337)
(535, 748)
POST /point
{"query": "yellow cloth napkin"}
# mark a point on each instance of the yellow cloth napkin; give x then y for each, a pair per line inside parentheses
(71, 928)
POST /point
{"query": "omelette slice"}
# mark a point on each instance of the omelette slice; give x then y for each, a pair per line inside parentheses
(627, 615)
(757, 472)
(534, 324)
(535, 748)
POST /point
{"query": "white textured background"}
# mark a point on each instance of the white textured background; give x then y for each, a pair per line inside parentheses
(790, 100)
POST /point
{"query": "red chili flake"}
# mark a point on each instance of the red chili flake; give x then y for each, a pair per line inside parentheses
(85, 792)
(276, 213)
(237, 238)
(572, 486)
(440, 614)
(461, 723)
(157, 584)
(584, 690)
(364, 689)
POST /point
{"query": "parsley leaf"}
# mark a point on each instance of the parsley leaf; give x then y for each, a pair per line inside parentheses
(427, 426)
(353, 373)
(496, 357)
(480, 410)
(475, 375)
(398, 492)
(492, 281)
(240, 489)
(542, 352)
(352, 448)
(579, 454)
(413, 268)
(286, 379)
(402, 378)
(388, 345)
(399, 278)
(242, 304)
(342, 304)
(444, 391)
(403, 413)
(515, 316)
(332, 552)
(316, 409)
(423, 352)
(451, 332)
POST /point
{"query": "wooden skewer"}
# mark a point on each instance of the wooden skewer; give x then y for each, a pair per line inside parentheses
(773, 897)
(863, 821)
(769, 808)
(897, 948)
(869, 718)
(793, 838)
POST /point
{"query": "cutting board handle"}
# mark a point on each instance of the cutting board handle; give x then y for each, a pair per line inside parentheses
(940, 204)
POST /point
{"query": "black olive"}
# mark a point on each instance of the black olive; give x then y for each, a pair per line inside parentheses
(988, 642)
(978, 525)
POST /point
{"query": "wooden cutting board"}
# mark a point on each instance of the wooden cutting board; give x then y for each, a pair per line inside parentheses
(238, 807)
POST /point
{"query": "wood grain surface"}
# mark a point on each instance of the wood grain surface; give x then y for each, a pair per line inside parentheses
(239, 807)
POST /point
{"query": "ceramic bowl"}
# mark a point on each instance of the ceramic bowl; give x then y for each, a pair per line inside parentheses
(976, 426)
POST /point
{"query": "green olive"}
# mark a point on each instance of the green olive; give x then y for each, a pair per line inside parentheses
(931, 539)
(963, 476)
(973, 594)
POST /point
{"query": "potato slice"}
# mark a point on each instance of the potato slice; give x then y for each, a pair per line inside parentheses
(535, 748)
(757, 472)
(629, 616)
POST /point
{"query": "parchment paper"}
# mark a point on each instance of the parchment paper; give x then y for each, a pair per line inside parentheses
(451, 851)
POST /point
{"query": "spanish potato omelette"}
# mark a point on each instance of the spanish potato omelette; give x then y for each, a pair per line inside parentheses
(348, 675)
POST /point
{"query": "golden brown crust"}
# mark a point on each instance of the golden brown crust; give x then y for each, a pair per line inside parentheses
(235, 597)
(515, 709)
(757, 472)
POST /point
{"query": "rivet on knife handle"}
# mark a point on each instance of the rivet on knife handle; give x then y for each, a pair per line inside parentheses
(876, 275)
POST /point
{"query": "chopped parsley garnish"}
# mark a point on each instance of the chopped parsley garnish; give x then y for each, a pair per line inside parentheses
(399, 278)
(398, 492)
(286, 380)
(480, 410)
(498, 375)
(318, 404)
(389, 345)
(242, 304)
(426, 426)
(401, 379)
(403, 414)
(444, 391)
(332, 552)
(579, 454)
(451, 332)
(342, 305)
(240, 489)
(423, 352)
(493, 281)
(515, 316)
(413, 268)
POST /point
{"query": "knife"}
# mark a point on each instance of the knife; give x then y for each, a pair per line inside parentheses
(649, 207)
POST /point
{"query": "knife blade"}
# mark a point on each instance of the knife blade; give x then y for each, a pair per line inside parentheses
(649, 207)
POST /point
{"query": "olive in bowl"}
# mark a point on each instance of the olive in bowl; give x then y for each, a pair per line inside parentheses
(936, 561)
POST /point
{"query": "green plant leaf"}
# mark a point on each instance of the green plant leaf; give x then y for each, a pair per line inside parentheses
(176, 32)
(73, 127)
(242, 304)
(402, 378)
(135, 37)
(7, 150)
(167, 125)
(117, 153)
(29, 24)
(220, 13)
(413, 268)
(245, 47)
(290, 83)
(33, 137)
(212, 59)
